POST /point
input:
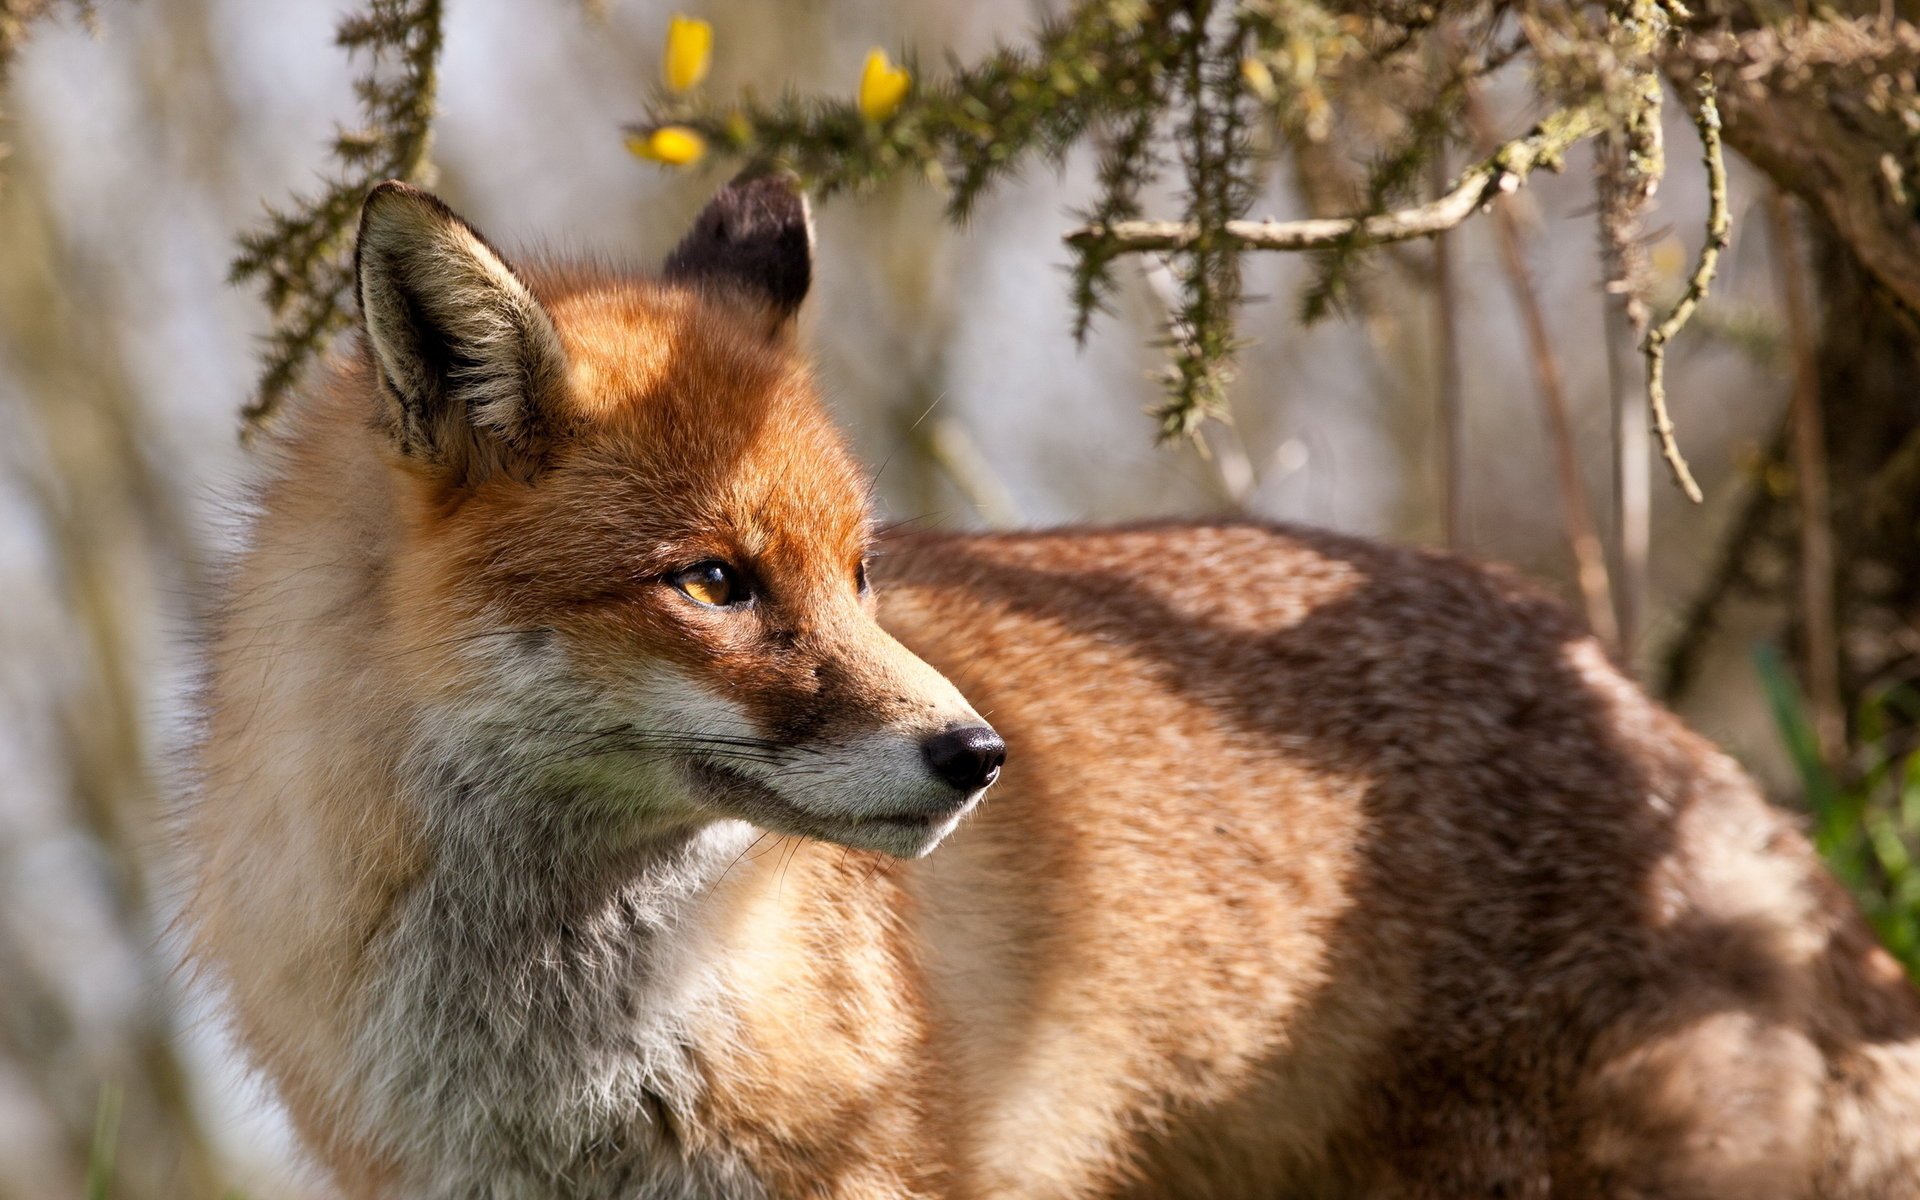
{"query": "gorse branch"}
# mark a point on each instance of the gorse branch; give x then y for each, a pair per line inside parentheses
(15, 18)
(1176, 88)
(301, 257)
(1127, 162)
(1216, 163)
(1397, 170)
(1177, 91)
(972, 130)
(17, 15)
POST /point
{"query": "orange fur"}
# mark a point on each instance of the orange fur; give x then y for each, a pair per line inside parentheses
(1317, 867)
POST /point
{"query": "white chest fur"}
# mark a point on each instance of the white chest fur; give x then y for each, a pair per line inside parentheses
(530, 1015)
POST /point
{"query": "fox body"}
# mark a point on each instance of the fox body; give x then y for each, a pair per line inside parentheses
(567, 790)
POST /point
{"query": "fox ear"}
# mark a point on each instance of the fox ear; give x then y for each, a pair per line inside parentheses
(755, 238)
(470, 365)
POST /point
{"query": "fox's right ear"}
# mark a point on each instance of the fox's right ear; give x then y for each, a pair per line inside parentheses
(469, 362)
(755, 240)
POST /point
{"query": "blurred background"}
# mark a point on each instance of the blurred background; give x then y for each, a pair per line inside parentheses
(140, 148)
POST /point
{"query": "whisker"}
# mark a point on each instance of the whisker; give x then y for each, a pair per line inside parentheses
(780, 889)
(462, 639)
(764, 835)
(662, 736)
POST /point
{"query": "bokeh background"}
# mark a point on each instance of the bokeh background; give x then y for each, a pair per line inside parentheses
(140, 148)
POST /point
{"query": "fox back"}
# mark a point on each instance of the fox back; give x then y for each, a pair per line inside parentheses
(593, 803)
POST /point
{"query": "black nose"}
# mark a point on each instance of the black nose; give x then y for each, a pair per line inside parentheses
(968, 757)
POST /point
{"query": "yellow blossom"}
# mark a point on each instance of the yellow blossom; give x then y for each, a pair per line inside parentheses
(882, 86)
(1669, 258)
(1259, 79)
(689, 52)
(675, 145)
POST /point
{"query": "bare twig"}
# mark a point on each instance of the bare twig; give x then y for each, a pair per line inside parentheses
(1732, 571)
(1706, 118)
(1502, 172)
(1583, 539)
(1630, 166)
(1446, 333)
(1444, 300)
(1632, 507)
(1811, 494)
(953, 448)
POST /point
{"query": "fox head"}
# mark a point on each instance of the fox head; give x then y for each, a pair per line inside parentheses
(637, 544)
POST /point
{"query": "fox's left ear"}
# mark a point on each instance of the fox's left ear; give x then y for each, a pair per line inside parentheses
(754, 239)
(470, 364)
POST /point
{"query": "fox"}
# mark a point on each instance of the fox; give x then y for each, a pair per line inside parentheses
(592, 801)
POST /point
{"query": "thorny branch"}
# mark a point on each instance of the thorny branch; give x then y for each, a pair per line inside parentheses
(1148, 78)
(302, 256)
(15, 17)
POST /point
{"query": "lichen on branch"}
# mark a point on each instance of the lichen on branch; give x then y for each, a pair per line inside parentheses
(1706, 119)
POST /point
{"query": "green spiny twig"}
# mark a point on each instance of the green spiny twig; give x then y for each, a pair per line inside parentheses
(973, 128)
(15, 17)
(1154, 78)
(1215, 155)
(1127, 164)
(302, 256)
(1396, 173)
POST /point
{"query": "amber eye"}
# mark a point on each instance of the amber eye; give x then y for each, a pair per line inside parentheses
(711, 583)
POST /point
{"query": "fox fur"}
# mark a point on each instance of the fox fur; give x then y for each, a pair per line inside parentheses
(1316, 868)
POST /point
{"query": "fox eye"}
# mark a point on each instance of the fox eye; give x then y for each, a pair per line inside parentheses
(860, 578)
(712, 583)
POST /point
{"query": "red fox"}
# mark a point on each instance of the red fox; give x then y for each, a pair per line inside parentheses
(593, 804)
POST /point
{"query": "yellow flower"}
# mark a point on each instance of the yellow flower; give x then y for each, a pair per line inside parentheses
(882, 86)
(1669, 258)
(1259, 79)
(675, 145)
(689, 52)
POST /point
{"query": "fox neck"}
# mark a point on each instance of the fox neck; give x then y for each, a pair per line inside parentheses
(536, 998)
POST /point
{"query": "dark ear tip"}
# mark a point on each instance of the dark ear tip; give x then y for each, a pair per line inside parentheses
(761, 205)
(396, 196)
(756, 234)
(388, 191)
(773, 195)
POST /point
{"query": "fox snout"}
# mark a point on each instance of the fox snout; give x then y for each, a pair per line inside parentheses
(896, 776)
(969, 757)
